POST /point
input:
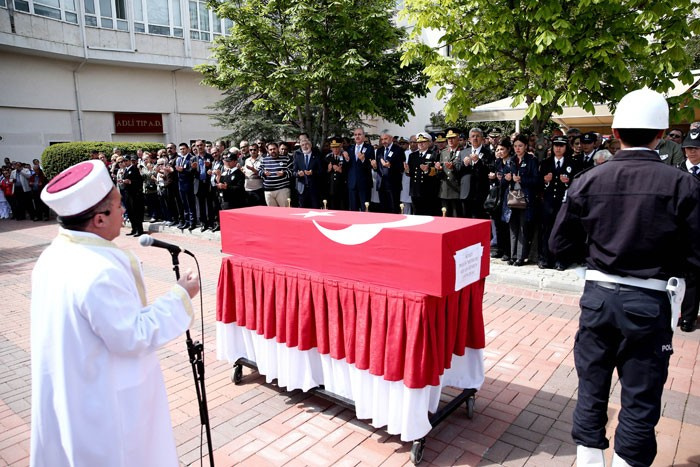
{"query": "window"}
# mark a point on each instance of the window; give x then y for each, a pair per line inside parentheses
(204, 24)
(63, 10)
(110, 14)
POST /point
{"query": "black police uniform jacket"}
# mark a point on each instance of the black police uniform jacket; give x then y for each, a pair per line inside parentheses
(233, 196)
(632, 216)
(554, 191)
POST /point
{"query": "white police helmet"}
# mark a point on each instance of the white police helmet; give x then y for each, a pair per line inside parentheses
(642, 108)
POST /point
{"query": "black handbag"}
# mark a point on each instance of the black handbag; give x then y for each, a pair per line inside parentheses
(493, 200)
(516, 199)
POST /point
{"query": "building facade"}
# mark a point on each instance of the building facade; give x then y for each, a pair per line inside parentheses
(104, 70)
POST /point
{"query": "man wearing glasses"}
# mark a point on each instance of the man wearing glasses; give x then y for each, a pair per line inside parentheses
(98, 396)
(675, 135)
(670, 150)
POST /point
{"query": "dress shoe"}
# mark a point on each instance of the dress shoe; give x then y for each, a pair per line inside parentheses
(181, 225)
(519, 262)
(132, 233)
(510, 262)
(216, 228)
(204, 227)
(192, 227)
(505, 258)
(560, 267)
(495, 254)
(542, 265)
(138, 234)
(171, 223)
(687, 325)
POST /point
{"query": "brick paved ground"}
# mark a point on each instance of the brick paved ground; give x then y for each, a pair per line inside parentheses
(523, 411)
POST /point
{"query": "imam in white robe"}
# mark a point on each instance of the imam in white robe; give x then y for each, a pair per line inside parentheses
(98, 397)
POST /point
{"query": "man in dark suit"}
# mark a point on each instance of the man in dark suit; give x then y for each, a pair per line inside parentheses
(307, 168)
(359, 171)
(388, 163)
(133, 186)
(473, 171)
(202, 185)
(185, 181)
(557, 171)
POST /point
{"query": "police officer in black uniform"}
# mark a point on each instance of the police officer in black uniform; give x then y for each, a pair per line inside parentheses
(638, 221)
(424, 180)
(557, 172)
(691, 301)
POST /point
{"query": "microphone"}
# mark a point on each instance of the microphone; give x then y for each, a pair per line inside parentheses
(147, 240)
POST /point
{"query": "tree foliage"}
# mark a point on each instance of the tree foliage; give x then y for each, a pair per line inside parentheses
(318, 64)
(552, 53)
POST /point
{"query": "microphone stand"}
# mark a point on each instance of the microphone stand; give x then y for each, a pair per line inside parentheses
(195, 350)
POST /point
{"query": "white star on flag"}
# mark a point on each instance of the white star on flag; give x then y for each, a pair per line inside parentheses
(314, 214)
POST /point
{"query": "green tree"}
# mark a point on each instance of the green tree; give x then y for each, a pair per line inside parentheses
(552, 53)
(318, 64)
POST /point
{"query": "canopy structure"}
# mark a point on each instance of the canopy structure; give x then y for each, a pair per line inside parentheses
(570, 117)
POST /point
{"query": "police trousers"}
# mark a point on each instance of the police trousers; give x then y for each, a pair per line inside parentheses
(628, 329)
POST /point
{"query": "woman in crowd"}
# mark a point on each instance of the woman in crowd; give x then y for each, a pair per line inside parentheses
(503, 157)
(577, 150)
(521, 173)
(613, 146)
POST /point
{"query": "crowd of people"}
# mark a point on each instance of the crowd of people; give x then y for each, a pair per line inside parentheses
(20, 187)
(517, 181)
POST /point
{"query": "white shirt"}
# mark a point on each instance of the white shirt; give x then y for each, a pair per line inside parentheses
(689, 165)
(98, 397)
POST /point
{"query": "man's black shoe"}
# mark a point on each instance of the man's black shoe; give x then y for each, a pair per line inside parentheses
(542, 265)
(216, 228)
(132, 233)
(560, 267)
(204, 227)
(687, 326)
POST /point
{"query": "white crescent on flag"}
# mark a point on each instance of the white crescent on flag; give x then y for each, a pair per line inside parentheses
(357, 234)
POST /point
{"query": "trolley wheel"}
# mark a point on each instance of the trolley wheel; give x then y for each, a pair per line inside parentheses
(237, 375)
(470, 407)
(417, 451)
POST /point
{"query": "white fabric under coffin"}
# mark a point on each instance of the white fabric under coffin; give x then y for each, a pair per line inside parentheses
(389, 404)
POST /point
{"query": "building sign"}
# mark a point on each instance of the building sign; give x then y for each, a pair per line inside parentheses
(138, 123)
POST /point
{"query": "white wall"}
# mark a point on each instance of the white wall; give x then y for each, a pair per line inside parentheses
(38, 103)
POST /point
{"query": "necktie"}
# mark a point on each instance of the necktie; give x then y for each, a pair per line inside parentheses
(694, 169)
(558, 165)
(307, 160)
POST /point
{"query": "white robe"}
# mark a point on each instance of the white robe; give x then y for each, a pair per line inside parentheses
(98, 396)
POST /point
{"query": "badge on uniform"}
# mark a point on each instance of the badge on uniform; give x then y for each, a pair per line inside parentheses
(663, 156)
(524, 164)
(568, 169)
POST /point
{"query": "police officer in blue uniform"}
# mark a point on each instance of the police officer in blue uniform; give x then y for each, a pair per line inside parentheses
(638, 222)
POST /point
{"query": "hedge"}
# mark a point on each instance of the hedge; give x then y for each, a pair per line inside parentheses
(58, 157)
